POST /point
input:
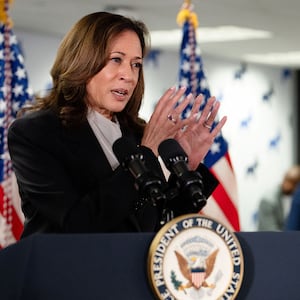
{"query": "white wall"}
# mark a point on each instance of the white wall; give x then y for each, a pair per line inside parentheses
(242, 101)
(39, 54)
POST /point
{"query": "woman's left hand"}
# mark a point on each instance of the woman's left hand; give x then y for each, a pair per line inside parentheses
(198, 135)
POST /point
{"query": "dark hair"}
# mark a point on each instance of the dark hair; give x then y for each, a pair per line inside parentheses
(83, 53)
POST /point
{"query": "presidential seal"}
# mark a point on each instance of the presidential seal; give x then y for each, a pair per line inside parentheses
(195, 257)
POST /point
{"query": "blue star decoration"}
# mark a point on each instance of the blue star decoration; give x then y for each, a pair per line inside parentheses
(268, 95)
(246, 122)
(255, 216)
(275, 141)
(241, 71)
(152, 57)
(252, 168)
(286, 74)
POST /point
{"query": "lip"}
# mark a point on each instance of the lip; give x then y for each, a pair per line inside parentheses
(120, 93)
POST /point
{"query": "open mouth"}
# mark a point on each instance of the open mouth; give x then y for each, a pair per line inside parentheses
(120, 92)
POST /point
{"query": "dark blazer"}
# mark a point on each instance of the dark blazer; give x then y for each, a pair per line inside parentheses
(67, 185)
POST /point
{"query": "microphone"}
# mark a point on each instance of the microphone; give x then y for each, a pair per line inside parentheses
(131, 158)
(189, 182)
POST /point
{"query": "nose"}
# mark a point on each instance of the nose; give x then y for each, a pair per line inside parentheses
(126, 73)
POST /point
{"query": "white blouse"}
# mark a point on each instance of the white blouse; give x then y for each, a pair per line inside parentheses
(107, 132)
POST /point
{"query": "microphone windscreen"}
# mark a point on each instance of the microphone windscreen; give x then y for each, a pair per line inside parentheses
(123, 148)
(169, 149)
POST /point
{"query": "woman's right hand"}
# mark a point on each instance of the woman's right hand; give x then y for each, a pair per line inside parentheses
(165, 120)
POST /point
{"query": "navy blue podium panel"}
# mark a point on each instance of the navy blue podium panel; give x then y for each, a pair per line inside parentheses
(272, 265)
(76, 267)
(114, 266)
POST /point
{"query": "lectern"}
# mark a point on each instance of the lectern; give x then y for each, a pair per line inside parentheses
(114, 266)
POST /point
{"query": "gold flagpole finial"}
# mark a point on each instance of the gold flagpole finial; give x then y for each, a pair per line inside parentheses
(186, 13)
(4, 18)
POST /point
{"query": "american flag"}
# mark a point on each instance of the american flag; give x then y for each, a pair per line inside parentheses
(14, 93)
(223, 204)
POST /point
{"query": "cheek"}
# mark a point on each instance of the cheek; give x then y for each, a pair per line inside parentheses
(94, 91)
(100, 79)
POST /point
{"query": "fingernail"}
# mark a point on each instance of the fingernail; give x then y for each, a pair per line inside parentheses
(190, 96)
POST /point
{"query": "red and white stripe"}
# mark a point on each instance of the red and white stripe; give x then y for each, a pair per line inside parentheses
(223, 204)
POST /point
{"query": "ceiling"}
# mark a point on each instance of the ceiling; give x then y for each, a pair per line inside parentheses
(280, 18)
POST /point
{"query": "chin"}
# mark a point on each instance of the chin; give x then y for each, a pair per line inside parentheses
(118, 108)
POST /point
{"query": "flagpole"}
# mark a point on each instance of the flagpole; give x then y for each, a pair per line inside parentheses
(186, 16)
(14, 93)
(223, 203)
(6, 183)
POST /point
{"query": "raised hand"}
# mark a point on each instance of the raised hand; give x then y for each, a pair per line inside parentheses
(198, 134)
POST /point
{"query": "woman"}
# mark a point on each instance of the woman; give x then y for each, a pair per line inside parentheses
(61, 148)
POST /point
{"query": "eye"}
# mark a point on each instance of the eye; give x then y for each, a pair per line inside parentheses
(116, 59)
(137, 65)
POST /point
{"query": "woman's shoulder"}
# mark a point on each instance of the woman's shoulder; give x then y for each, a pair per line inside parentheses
(35, 122)
(41, 117)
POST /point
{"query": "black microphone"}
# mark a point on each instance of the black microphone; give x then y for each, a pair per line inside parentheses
(189, 182)
(131, 158)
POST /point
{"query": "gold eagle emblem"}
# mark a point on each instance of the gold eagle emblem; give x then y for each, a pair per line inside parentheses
(203, 267)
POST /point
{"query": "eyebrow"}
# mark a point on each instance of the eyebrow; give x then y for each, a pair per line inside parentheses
(122, 53)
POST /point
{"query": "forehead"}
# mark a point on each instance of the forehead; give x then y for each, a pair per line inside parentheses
(127, 42)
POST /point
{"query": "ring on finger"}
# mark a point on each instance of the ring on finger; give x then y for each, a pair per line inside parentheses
(207, 125)
(171, 118)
